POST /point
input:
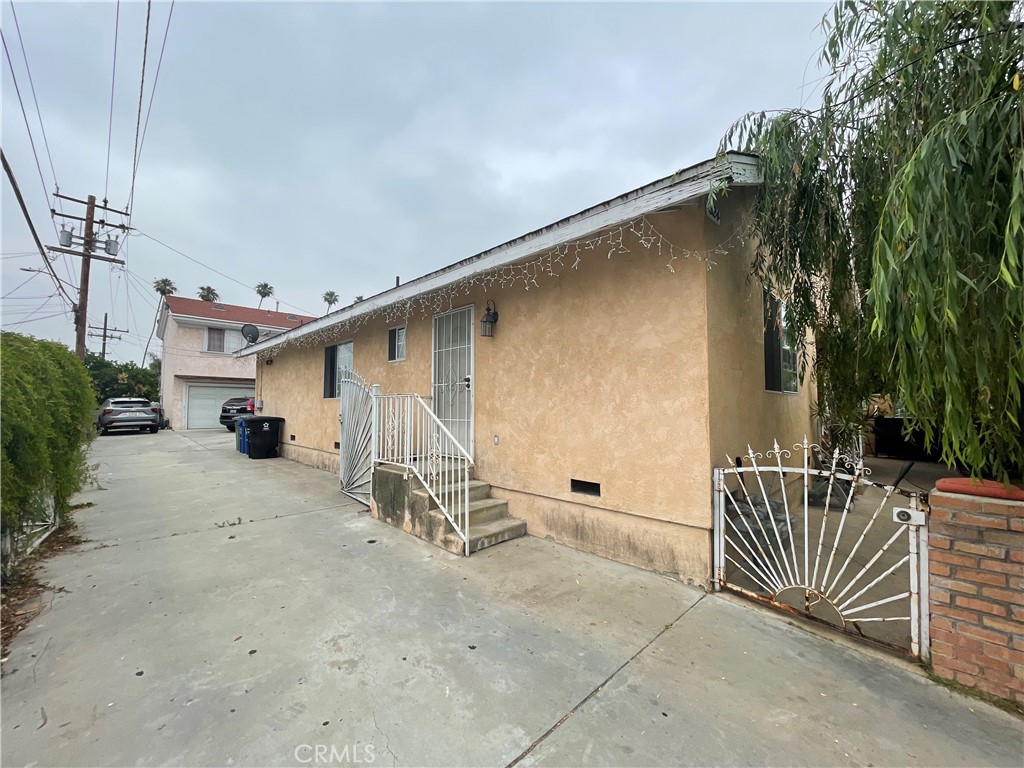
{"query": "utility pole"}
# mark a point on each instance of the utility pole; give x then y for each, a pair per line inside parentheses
(106, 334)
(87, 254)
(83, 282)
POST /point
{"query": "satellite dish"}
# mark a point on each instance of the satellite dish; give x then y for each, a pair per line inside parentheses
(250, 333)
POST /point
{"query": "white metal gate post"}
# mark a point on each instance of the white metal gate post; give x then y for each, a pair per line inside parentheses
(717, 537)
(924, 616)
(917, 534)
(375, 434)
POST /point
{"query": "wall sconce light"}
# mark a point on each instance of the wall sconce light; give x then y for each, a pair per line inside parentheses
(270, 361)
(489, 320)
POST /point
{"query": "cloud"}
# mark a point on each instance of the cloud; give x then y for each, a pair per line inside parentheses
(336, 145)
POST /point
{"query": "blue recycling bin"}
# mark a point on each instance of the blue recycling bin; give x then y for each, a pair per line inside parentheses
(242, 431)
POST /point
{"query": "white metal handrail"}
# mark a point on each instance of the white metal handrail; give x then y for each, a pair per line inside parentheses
(406, 432)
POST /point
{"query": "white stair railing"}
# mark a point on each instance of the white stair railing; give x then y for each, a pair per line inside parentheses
(406, 432)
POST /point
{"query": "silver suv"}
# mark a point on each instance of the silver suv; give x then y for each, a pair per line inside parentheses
(128, 413)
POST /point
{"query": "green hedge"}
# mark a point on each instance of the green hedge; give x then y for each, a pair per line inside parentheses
(47, 420)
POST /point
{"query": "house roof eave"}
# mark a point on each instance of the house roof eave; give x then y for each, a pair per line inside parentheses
(735, 168)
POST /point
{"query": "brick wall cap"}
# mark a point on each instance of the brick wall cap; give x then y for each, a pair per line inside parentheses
(987, 488)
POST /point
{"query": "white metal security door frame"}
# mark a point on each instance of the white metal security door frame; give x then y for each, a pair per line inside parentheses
(452, 373)
(829, 543)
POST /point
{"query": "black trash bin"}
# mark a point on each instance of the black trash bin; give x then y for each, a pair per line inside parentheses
(264, 434)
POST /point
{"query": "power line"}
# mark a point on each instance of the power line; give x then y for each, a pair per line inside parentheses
(131, 312)
(31, 226)
(144, 289)
(24, 114)
(142, 88)
(28, 129)
(110, 120)
(22, 284)
(216, 271)
(35, 311)
(32, 85)
(149, 109)
(36, 320)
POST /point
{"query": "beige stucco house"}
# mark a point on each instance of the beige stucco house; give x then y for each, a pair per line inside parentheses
(630, 356)
(198, 368)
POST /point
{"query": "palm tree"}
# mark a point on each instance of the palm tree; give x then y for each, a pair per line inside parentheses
(357, 299)
(208, 293)
(264, 291)
(165, 287)
(330, 298)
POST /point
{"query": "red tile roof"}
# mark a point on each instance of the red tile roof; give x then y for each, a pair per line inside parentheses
(231, 313)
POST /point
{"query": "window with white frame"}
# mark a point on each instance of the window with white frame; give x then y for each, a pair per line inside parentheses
(223, 340)
(337, 363)
(214, 339)
(780, 365)
(396, 344)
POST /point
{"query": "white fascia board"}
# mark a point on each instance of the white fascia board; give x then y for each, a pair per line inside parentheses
(192, 321)
(735, 168)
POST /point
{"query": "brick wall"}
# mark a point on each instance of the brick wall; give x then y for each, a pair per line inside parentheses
(976, 564)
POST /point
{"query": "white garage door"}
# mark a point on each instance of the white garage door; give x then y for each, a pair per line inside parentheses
(203, 407)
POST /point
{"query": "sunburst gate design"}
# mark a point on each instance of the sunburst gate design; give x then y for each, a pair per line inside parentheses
(829, 543)
(355, 418)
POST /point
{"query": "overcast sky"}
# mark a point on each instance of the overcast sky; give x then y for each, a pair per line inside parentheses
(334, 146)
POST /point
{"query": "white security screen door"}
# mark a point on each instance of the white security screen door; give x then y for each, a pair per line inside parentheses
(452, 393)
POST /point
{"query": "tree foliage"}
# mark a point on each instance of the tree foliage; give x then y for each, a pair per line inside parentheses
(208, 293)
(127, 379)
(890, 220)
(165, 287)
(47, 418)
(330, 299)
(264, 291)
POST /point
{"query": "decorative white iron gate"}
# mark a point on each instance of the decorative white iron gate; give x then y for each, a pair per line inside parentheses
(355, 423)
(826, 543)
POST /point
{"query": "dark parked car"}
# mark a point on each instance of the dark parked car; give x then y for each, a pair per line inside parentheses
(128, 413)
(232, 408)
(162, 421)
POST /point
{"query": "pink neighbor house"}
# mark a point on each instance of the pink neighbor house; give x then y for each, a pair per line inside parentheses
(198, 370)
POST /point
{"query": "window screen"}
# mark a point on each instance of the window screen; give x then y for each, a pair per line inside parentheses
(780, 365)
(214, 339)
(396, 344)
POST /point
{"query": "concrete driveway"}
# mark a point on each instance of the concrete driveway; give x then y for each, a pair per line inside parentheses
(235, 612)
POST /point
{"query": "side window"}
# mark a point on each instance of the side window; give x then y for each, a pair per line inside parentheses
(780, 365)
(396, 344)
(337, 361)
(233, 341)
(214, 339)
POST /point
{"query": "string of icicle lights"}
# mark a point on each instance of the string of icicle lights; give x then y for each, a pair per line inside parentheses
(528, 275)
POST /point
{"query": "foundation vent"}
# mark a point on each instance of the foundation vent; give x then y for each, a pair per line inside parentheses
(585, 487)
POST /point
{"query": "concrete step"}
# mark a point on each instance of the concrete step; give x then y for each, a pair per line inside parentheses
(483, 535)
(401, 468)
(477, 490)
(487, 510)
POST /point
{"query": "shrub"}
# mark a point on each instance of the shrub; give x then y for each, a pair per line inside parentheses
(47, 414)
